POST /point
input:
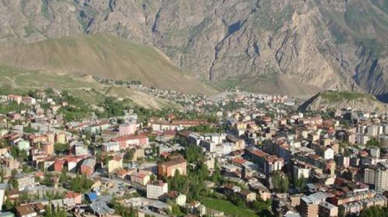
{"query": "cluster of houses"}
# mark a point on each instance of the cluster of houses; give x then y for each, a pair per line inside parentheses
(334, 165)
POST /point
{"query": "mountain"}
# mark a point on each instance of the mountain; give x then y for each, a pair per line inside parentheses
(333, 100)
(298, 47)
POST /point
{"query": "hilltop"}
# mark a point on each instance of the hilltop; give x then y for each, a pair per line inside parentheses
(338, 100)
(102, 56)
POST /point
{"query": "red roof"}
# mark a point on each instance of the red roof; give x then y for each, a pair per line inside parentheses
(239, 160)
(71, 194)
(128, 137)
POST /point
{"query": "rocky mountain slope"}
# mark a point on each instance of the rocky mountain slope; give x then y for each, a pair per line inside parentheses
(342, 100)
(296, 47)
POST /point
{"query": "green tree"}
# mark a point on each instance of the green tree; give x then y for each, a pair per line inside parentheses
(373, 143)
(280, 182)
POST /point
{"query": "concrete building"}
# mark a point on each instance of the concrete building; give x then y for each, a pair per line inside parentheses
(377, 177)
(327, 210)
(309, 205)
(127, 129)
(111, 146)
(25, 180)
(115, 164)
(170, 167)
(156, 189)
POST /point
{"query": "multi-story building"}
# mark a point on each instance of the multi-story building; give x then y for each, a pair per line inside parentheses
(328, 210)
(377, 177)
(141, 177)
(156, 189)
(127, 129)
(170, 167)
(309, 205)
(60, 138)
(115, 164)
(111, 146)
(131, 141)
(25, 180)
(48, 148)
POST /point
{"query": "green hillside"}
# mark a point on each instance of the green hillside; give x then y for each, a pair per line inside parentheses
(14, 80)
(102, 56)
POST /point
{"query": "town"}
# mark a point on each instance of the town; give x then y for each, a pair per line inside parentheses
(234, 154)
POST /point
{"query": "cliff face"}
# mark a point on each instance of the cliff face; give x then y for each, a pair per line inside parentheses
(286, 46)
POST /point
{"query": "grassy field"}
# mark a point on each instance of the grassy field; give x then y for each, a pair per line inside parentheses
(103, 56)
(227, 207)
(334, 96)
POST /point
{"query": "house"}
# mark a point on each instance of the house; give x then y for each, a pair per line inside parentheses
(14, 98)
(170, 167)
(115, 164)
(29, 100)
(141, 177)
(156, 189)
(30, 210)
(175, 197)
(80, 149)
(87, 166)
(76, 196)
(246, 195)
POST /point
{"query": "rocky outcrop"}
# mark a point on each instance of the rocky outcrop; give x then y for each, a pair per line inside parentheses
(311, 44)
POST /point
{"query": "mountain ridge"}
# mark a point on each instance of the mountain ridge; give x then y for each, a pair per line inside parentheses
(317, 45)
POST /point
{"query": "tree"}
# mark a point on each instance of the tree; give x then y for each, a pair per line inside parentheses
(8, 205)
(60, 148)
(63, 176)
(194, 154)
(216, 176)
(80, 184)
(373, 143)
(129, 156)
(23, 156)
(280, 182)
(260, 205)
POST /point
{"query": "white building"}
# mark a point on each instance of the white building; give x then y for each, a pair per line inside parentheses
(3, 188)
(328, 154)
(111, 146)
(156, 189)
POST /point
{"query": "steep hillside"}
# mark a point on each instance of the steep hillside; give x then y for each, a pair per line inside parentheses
(104, 57)
(288, 46)
(338, 100)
